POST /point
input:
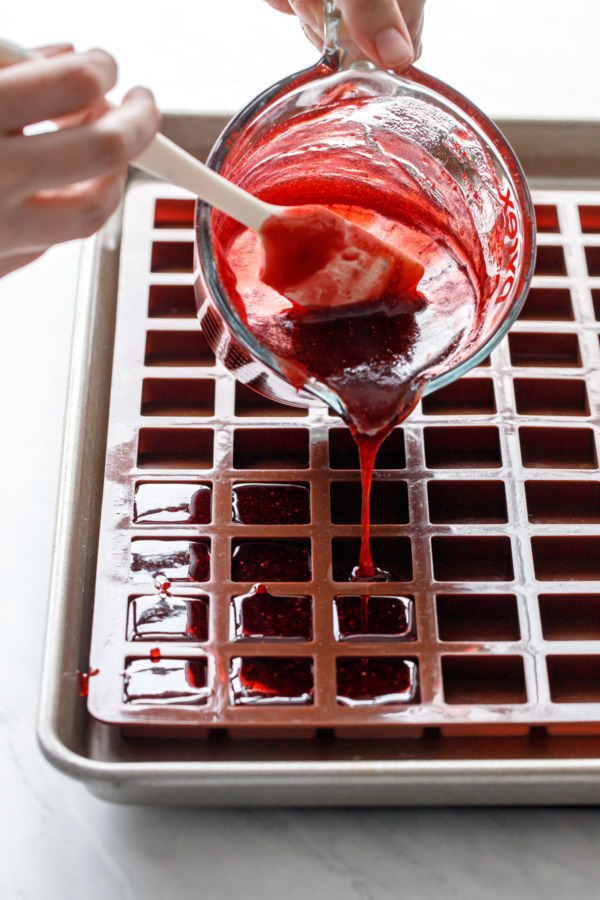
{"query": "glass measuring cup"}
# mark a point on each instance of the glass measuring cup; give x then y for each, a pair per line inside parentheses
(426, 136)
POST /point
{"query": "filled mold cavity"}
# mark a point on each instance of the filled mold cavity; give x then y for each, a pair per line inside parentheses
(271, 504)
(261, 615)
(375, 680)
(373, 617)
(257, 560)
(271, 680)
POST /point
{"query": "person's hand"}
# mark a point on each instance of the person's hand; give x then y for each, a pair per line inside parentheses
(389, 32)
(64, 184)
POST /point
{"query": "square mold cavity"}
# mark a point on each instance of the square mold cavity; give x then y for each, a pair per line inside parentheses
(468, 447)
(178, 348)
(271, 680)
(389, 502)
(271, 448)
(467, 396)
(477, 617)
(343, 453)
(178, 397)
(172, 503)
(260, 615)
(271, 503)
(373, 617)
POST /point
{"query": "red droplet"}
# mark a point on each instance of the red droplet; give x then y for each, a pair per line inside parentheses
(84, 681)
(155, 654)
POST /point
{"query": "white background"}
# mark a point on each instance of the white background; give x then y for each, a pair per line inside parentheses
(530, 58)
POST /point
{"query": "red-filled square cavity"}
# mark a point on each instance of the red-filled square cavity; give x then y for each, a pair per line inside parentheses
(168, 682)
(172, 256)
(174, 559)
(173, 503)
(546, 218)
(376, 680)
(166, 618)
(368, 616)
(262, 615)
(271, 680)
(271, 504)
(271, 560)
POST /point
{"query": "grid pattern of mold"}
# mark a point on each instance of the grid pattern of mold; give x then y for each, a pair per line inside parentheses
(486, 506)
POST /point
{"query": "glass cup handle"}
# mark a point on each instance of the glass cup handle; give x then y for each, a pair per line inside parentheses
(331, 17)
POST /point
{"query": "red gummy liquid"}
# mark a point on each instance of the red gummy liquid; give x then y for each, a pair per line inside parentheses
(364, 615)
(260, 614)
(271, 504)
(378, 356)
(272, 680)
(269, 560)
(369, 679)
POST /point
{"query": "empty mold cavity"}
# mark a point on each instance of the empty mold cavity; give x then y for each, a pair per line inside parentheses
(392, 554)
(367, 617)
(592, 257)
(172, 256)
(570, 617)
(563, 501)
(550, 261)
(467, 396)
(172, 558)
(270, 680)
(343, 453)
(551, 397)
(574, 679)
(548, 304)
(568, 558)
(261, 615)
(270, 448)
(171, 301)
(271, 504)
(178, 348)
(178, 397)
(375, 680)
(468, 558)
(546, 218)
(389, 502)
(167, 618)
(558, 448)
(462, 448)
(175, 448)
(271, 560)
(596, 302)
(467, 502)
(172, 503)
(249, 402)
(170, 212)
(477, 617)
(589, 218)
(558, 350)
(483, 679)
(169, 682)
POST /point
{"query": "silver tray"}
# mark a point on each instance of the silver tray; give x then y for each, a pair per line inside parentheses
(434, 769)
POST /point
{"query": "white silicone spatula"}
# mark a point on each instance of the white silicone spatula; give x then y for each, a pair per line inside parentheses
(310, 254)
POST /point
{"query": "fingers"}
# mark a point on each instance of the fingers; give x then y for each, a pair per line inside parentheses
(379, 29)
(387, 31)
(77, 211)
(71, 155)
(54, 86)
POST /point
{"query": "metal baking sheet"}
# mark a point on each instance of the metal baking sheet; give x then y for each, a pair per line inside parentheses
(434, 768)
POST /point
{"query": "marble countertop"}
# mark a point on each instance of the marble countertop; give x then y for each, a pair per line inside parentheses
(532, 59)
